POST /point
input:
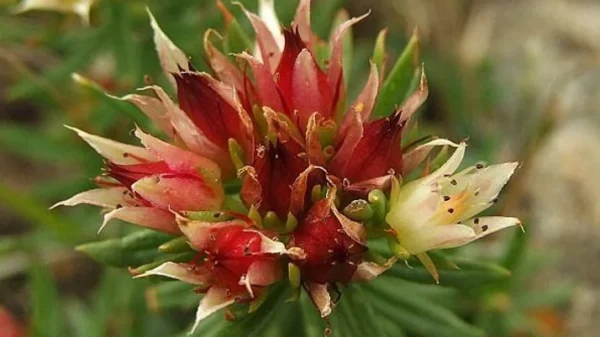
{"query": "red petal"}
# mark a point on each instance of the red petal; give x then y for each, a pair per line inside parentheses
(266, 41)
(129, 174)
(310, 93)
(364, 103)
(214, 108)
(267, 90)
(293, 46)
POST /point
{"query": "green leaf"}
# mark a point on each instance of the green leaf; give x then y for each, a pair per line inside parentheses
(379, 54)
(398, 82)
(236, 40)
(417, 315)
(171, 295)
(471, 274)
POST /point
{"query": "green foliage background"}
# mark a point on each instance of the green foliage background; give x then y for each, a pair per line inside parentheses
(41, 276)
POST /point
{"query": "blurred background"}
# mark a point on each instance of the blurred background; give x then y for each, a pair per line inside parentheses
(519, 79)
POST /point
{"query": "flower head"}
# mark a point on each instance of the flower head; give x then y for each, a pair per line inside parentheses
(439, 210)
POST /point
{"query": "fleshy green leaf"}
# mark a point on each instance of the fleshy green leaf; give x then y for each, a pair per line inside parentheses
(398, 82)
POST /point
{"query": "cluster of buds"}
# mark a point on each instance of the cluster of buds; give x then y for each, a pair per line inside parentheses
(317, 178)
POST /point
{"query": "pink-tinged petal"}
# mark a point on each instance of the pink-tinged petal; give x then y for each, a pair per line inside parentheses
(314, 150)
(266, 11)
(154, 109)
(414, 157)
(310, 93)
(335, 73)
(270, 52)
(112, 197)
(367, 271)
(267, 90)
(172, 59)
(180, 271)
(252, 191)
(119, 153)
(148, 217)
(364, 103)
(198, 232)
(261, 273)
(180, 192)
(301, 23)
(268, 245)
(214, 300)
(366, 186)
(177, 159)
(436, 237)
(299, 196)
(192, 136)
(414, 101)
(220, 64)
(320, 297)
(346, 145)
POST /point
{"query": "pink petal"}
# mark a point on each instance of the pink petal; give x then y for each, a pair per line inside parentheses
(267, 43)
(104, 197)
(267, 90)
(180, 192)
(301, 23)
(414, 157)
(261, 273)
(335, 74)
(148, 217)
(364, 103)
(414, 101)
(180, 271)
(177, 159)
(214, 300)
(198, 232)
(221, 66)
(119, 153)
(172, 59)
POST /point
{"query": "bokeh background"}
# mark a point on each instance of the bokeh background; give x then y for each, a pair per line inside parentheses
(520, 79)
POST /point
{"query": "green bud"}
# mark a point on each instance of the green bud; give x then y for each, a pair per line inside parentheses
(177, 245)
(255, 217)
(378, 201)
(236, 153)
(271, 221)
(291, 223)
(294, 275)
(316, 193)
(208, 216)
(358, 210)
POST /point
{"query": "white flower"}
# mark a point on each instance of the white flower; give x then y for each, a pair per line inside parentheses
(79, 7)
(438, 211)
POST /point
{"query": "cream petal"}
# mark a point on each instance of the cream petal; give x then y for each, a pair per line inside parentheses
(214, 300)
(148, 217)
(320, 297)
(490, 224)
(153, 108)
(411, 208)
(79, 7)
(172, 59)
(179, 271)
(367, 271)
(118, 153)
(104, 197)
(412, 158)
(436, 237)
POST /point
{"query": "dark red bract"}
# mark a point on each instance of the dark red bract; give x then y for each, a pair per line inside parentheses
(331, 255)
